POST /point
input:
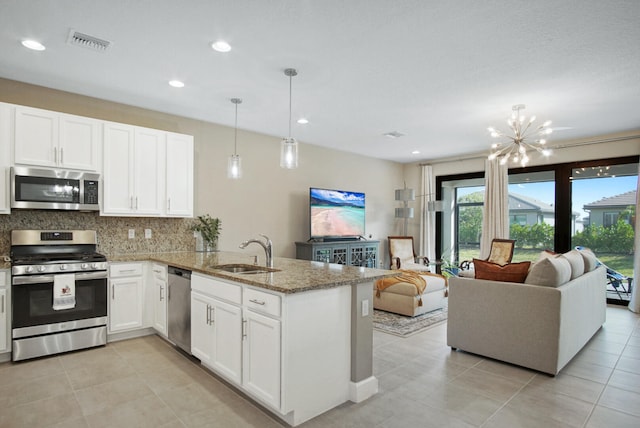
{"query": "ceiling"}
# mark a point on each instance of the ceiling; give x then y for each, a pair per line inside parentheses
(437, 72)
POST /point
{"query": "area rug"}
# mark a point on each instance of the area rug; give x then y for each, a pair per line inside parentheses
(404, 326)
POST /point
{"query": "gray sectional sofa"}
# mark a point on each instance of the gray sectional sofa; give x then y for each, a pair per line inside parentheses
(541, 327)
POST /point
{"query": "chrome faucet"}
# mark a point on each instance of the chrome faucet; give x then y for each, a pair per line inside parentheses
(267, 245)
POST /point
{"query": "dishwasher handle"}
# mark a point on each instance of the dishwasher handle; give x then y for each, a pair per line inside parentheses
(186, 274)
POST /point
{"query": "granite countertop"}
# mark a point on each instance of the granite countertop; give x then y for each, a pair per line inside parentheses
(5, 264)
(292, 275)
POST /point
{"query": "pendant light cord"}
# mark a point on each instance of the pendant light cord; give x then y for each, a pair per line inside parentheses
(290, 85)
(235, 134)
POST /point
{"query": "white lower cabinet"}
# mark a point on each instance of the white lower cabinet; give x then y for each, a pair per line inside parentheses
(289, 352)
(126, 284)
(159, 284)
(239, 344)
(261, 357)
(5, 307)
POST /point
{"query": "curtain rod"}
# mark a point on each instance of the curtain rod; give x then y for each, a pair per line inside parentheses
(482, 155)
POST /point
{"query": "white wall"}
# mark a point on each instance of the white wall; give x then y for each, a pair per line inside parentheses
(267, 199)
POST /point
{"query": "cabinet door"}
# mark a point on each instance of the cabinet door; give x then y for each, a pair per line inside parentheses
(125, 311)
(118, 166)
(5, 155)
(160, 305)
(4, 318)
(36, 137)
(79, 142)
(148, 171)
(179, 201)
(261, 357)
(227, 340)
(201, 327)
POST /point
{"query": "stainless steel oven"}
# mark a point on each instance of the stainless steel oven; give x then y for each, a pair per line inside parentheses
(58, 292)
(54, 189)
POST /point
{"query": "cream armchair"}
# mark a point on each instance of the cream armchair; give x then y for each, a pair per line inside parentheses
(403, 256)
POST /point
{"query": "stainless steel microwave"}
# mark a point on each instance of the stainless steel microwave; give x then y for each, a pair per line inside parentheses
(54, 189)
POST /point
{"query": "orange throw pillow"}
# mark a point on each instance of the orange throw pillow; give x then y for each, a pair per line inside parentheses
(512, 272)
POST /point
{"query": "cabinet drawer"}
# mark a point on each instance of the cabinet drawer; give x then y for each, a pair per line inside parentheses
(159, 271)
(125, 269)
(218, 289)
(262, 302)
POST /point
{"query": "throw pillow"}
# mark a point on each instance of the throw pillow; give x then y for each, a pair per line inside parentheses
(590, 259)
(549, 271)
(576, 261)
(512, 272)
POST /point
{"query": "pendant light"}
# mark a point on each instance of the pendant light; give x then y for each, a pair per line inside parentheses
(289, 146)
(234, 166)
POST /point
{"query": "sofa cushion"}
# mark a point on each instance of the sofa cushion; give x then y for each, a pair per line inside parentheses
(512, 272)
(590, 259)
(550, 271)
(576, 261)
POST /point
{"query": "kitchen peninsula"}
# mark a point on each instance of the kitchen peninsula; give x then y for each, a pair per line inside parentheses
(297, 339)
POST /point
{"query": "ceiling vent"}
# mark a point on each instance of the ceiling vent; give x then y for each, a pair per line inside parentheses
(394, 134)
(86, 41)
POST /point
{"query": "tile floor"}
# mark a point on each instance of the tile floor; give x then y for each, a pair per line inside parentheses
(145, 382)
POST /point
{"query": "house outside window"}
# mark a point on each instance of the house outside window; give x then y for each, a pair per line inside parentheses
(519, 219)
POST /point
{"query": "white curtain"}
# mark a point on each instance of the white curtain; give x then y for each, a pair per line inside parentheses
(495, 213)
(634, 304)
(427, 218)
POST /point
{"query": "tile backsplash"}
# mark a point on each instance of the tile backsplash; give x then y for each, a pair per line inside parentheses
(168, 234)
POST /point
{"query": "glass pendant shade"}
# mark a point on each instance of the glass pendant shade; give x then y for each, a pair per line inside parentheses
(289, 153)
(234, 167)
(289, 146)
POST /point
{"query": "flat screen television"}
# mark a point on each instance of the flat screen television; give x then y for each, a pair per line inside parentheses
(336, 214)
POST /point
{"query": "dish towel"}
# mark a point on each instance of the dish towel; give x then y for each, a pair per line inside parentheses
(64, 291)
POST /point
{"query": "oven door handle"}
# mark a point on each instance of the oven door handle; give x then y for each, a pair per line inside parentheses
(39, 279)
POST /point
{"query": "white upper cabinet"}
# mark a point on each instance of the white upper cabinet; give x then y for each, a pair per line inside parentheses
(133, 174)
(52, 139)
(179, 196)
(5, 156)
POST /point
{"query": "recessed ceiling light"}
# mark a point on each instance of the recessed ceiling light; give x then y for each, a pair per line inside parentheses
(32, 44)
(303, 121)
(176, 83)
(415, 152)
(221, 46)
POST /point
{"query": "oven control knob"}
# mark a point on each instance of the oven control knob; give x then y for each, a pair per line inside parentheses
(41, 268)
(94, 265)
(29, 269)
(84, 266)
(63, 267)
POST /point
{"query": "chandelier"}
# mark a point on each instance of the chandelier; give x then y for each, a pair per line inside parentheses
(526, 137)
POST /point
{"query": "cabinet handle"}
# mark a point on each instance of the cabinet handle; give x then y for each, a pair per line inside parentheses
(161, 289)
(257, 302)
(113, 292)
(2, 304)
(169, 204)
(208, 315)
(55, 155)
(244, 328)
(61, 156)
(136, 202)
(131, 202)
(212, 315)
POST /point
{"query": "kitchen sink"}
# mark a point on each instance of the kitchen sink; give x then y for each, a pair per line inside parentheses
(244, 269)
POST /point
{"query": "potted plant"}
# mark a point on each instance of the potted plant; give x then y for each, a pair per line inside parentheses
(209, 229)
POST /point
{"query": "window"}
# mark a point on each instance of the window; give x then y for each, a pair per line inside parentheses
(540, 207)
(609, 218)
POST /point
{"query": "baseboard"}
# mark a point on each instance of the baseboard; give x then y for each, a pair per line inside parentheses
(360, 391)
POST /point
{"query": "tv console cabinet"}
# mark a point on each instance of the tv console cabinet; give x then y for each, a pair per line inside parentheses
(347, 252)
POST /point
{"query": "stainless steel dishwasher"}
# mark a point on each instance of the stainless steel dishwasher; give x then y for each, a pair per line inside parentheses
(179, 311)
